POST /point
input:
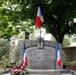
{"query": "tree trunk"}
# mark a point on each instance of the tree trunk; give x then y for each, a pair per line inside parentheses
(59, 38)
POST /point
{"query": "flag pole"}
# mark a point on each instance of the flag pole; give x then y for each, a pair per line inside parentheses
(40, 33)
(55, 59)
(40, 37)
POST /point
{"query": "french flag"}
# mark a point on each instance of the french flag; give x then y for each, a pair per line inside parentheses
(59, 62)
(25, 61)
(39, 17)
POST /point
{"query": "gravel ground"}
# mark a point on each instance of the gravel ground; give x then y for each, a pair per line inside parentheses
(66, 74)
(61, 74)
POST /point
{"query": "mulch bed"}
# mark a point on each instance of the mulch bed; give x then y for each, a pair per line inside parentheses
(73, 67)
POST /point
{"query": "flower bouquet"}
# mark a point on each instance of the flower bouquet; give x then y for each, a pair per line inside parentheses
(18, 71)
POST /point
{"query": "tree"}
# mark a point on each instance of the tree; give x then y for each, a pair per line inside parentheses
(61, 14)
(7, 28)
(10, 21)
(66, 41)
(58, 15)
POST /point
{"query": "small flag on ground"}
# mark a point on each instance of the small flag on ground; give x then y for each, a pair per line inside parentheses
(39, 17)
(59, 62)
(25, 61)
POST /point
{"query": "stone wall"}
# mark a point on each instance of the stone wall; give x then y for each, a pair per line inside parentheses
(70, 53)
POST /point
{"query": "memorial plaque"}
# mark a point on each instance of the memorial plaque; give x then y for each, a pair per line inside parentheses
(41, 58)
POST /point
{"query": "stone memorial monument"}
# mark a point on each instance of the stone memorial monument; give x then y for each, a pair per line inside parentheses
(41, 56)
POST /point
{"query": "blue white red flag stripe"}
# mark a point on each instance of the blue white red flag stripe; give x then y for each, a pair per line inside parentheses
(25, 61)
(59, 62)
(39, 17)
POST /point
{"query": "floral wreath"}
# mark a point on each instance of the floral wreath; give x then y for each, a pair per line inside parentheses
(18, 70)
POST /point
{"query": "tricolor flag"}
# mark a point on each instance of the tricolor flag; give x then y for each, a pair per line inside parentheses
(25, 61)
(39, 17)
(59, 62)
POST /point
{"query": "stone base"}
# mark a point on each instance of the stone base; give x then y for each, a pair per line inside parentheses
(43, 72)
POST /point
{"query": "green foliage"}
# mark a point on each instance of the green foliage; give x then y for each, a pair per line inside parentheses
(67, 63)
(70, 63)
(74, 38)
(66, 41)
(58, 15)
(5, 62)
(4, 48)
(11, 16)
(59, 21)
(4, 53)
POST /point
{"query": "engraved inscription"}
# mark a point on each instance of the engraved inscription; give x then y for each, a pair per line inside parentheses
(41, 55)
(41, 58)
